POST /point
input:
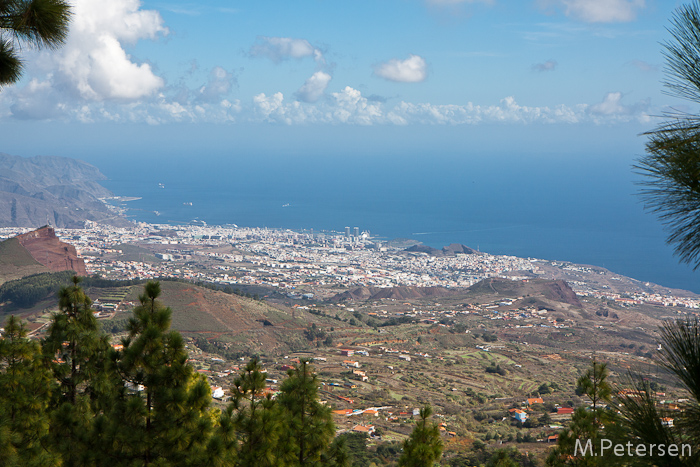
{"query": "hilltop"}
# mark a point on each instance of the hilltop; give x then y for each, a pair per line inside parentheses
(36, 252)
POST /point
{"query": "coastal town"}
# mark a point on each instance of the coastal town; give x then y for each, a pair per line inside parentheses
(308, 264)
(496, 368)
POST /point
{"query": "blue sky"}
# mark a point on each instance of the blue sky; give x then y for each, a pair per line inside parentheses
(388, 62)
(563, 85)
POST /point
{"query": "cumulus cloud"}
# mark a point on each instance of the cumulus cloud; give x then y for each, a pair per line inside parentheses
(411, 70)
(278, 49)
(93, 65)
(612, 108)
(598, 11)
(349, 106)
(314, 87)
(549, 65)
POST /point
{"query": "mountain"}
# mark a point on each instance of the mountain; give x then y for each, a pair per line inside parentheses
(60, 191)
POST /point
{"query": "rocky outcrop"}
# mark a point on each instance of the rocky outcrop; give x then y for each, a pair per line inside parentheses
(48, 250)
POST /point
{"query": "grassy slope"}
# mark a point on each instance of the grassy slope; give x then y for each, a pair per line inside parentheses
(16, 262)
(235, 320)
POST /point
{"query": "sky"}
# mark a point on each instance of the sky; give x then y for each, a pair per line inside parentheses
(533, 84)
(314, 63)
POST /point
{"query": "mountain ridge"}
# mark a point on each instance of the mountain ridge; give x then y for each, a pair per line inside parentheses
(63, 192)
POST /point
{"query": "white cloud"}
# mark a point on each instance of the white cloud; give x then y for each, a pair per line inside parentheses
(411, 70)
(94, 63)
(278, 49)
(598, 11)
(92, 66)
(549, 65)
(351, 107)
(314, 87)
(613, 109)
(219, 84)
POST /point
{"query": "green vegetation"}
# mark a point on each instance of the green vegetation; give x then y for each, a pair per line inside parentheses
(28, 291)
(74, 399)
(673, 154)
(424, 447)
(40, 23)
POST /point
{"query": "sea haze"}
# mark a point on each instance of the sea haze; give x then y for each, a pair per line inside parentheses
(579, 209)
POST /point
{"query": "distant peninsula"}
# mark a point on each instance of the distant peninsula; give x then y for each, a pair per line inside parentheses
(62, 192)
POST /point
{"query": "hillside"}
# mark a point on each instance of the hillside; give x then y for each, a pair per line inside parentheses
(236, 323)
(554, 290)
(395, 293)
(16, 262)
(61, 191)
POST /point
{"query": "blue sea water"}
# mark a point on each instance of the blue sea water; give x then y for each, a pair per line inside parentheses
(579, 209)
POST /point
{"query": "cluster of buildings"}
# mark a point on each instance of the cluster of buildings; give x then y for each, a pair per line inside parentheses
(302, 261)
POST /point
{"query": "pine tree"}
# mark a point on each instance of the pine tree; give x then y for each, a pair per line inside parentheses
(75, 347)
(73, 341)
(42, 23)
(160, 413)
(424, 447)
(26, 385)
(308, 426)
(256, 420)
(587, 423)
(670, 168)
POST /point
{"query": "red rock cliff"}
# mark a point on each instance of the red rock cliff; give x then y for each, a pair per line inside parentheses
(48, 250)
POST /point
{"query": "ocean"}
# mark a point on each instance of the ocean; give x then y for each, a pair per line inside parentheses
(579, 209)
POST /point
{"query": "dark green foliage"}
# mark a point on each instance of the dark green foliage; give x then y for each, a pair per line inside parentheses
(26, 386)
(76, 401)
(73, 341)
(28, 291)
(160, 413)
(356, 444)
(314, 333)
(255, 419)
(640, 413)
(641, 417)
(308, 425)
(76, 349)
(509, 458)
(489, 337)
(424, 447)
(493, 368)
(672, 163)
(587, 423)
(40, 23)
(102, 283)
